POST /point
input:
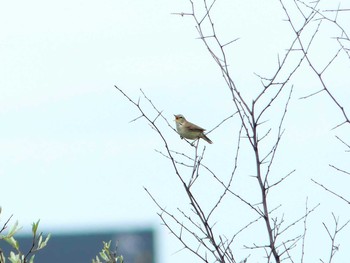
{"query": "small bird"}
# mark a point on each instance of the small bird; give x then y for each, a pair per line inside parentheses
(189, 130)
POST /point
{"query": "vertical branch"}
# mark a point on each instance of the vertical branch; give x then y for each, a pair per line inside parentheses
(332, 236)
(304, 234)
(263, 190)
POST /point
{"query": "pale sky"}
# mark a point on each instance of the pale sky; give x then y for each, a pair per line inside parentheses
(70, 157)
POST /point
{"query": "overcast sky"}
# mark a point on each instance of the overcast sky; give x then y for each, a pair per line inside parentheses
(69, 155)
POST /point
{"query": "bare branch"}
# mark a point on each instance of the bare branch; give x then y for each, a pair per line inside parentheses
(338, 169)
(332, 236)
(325, 188)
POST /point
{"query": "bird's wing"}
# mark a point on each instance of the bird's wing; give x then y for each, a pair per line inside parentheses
(193, 127)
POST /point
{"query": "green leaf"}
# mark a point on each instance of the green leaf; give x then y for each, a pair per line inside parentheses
(12, 241)
(40, 240)
(2, 257)
(14, 229)
(103, 255)
(44, 243)
(15, 258)
(35, 227)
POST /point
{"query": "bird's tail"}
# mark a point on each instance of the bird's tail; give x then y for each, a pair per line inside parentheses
(204, 137)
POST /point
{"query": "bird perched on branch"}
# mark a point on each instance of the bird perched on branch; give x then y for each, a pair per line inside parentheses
(189, 130)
